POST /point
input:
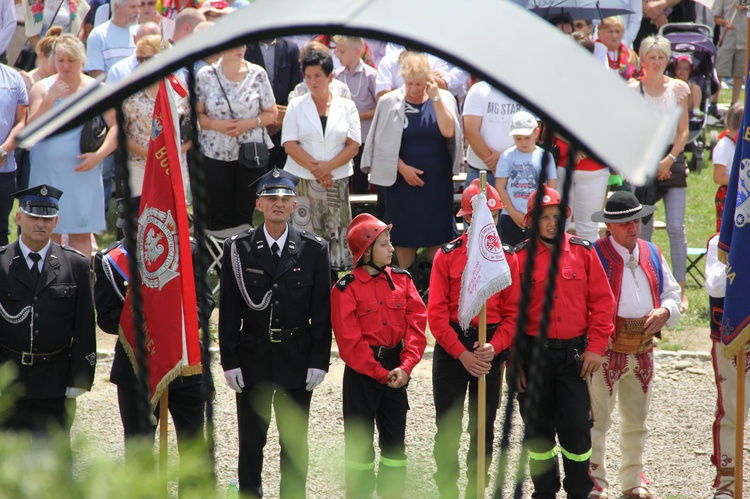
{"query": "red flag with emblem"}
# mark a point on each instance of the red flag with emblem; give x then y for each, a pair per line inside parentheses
(164, 257)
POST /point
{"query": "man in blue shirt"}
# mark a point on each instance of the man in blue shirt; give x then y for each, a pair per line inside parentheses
(13, 104)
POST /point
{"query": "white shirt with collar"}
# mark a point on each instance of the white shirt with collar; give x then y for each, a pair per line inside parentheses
(281, 241)
(25, 250)
(302, 124)
(635, 296)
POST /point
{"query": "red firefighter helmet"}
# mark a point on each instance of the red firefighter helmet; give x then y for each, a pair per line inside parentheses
(550, 198)
(362, 232)
(493, 198)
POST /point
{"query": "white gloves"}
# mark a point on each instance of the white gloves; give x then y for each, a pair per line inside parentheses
(234, 379)
(314, 378)
(72, 392)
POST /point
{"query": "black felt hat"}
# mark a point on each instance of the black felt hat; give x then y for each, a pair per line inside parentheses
(621, 207)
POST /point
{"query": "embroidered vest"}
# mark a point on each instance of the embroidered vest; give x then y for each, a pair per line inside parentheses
(649, 258)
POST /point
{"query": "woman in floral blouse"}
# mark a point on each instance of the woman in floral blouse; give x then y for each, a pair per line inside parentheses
(139, 113)
(235, 103)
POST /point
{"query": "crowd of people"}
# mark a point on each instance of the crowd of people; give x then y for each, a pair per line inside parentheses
(308, 122)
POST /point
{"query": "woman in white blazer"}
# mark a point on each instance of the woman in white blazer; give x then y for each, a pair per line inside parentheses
(321, 134)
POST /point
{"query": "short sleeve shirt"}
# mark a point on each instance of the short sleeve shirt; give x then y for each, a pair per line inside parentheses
(12, 94)
(522, 171)
(248, 98)
(495, 108)
(723, 154)
(107, 45)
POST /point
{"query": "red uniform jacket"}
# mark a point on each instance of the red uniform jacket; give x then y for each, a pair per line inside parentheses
(583, 301)
(445, 288)
(366, 312)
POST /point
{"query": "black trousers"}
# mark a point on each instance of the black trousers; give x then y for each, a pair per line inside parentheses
(366, 403)
(511, 233)
(40, 417)
(185, 405)
(561, 407)
(230, 201)
(359, 183)
(449, 386)
(292, 410)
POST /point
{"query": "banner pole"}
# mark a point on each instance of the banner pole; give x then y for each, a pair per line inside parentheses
(739, 428)
(481, 385)
(163, 431)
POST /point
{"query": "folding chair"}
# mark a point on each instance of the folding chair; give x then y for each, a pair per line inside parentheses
(215, 246)
(694, 257)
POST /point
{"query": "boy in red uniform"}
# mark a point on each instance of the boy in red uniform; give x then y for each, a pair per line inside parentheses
(379, 321)
(580, 325)
(458, 360)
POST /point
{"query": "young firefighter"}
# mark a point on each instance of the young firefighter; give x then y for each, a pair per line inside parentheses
(379, 321)
(458, 360)
(580, 325)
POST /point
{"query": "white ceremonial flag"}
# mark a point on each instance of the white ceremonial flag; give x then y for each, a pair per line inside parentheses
(487, 271)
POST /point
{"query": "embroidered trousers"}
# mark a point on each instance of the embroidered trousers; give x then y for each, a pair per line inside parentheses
(724, 424)
(626, 379)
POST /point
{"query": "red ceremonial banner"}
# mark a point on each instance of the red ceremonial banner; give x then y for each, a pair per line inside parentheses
(164, 257)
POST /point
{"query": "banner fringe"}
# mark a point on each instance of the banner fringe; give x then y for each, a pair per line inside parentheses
(737, 344)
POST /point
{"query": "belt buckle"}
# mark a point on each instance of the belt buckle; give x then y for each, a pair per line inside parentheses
(27, 359)
(380, 352)
(270, 335)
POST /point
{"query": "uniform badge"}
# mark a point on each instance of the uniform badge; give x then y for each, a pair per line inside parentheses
(91, 358)
(43, 191)
(157, 247)
(275, 173)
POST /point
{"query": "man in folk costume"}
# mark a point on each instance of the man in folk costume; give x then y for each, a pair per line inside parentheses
(186, 402)
(648, 298)
(580, 328)
(458, 360)
(275, 332)
(725, 375)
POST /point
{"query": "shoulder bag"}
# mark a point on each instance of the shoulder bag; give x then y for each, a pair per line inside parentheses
(253, 155)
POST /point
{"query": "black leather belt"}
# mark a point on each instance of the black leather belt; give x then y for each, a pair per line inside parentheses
(279, 335)
(564, 344)
(473, 331)
(30, 358)
(386, 352)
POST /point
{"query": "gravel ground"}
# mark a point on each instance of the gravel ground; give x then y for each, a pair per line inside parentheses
(677, 456)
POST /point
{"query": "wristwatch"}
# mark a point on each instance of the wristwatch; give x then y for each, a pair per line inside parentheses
(3, 154)
(436, 98)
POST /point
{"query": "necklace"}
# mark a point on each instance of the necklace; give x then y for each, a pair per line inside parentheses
(632, 264)
(346, 81)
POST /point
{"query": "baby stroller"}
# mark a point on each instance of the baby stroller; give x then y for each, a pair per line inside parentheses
(696, 42)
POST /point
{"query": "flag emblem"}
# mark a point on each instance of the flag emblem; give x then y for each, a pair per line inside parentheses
(157, 247)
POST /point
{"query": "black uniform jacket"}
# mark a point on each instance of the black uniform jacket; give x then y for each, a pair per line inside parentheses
(62, 311)
(300, 298)
(109, 309)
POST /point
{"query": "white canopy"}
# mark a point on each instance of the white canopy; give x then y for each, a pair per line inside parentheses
(515, 50)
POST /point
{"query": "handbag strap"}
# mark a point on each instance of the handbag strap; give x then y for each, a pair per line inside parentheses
(231, 112)
(52, 22)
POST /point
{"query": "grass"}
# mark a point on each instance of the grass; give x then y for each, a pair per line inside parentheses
(700, 222)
